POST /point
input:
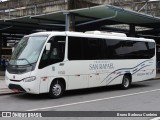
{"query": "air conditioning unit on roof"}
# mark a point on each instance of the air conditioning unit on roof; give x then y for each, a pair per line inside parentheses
(106, 33)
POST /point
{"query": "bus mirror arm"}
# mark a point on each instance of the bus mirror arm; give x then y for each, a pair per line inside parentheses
(48, 46)
(12, 49)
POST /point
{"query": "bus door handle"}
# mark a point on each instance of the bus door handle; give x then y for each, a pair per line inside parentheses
(61, 64)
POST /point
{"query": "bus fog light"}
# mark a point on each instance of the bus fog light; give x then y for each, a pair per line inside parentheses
(29, 79)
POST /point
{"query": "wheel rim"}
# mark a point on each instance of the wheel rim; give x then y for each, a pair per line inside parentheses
(126, 82)
(56, 90)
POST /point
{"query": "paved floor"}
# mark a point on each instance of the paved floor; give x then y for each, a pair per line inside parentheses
(2, 82)
(158, 75)
(143, 96)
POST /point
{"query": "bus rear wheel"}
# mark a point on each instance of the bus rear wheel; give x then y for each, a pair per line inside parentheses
(126, 82)
(56, 89)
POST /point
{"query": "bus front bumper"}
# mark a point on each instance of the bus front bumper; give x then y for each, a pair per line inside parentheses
(21, 86)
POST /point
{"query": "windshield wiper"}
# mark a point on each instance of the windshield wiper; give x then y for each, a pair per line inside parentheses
(26, 60)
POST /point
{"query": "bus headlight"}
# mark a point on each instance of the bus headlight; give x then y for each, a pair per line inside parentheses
(29, 79)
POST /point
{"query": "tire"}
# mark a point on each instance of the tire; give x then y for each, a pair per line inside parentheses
(126, 82)
(56, 89)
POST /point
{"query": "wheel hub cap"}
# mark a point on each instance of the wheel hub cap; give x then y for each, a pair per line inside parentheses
(126, 82)
(56, 89)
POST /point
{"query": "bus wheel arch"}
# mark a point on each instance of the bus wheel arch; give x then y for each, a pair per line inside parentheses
(57, 88)
(126, 81)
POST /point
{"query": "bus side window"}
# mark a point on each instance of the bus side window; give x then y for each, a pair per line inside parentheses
(45, 55)
(57, 50)
(56, 53)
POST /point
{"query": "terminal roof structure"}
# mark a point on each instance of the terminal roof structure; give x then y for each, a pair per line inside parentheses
(91, 18)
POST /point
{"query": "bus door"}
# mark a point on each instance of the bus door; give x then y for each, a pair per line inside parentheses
(76, 66)
(49, 66)
(77, 75)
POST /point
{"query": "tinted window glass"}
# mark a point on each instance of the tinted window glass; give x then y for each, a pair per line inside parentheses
(151, 49)
(99, 49)
(130, 49)
(113, 47)
(75, 48)
(92, 48)
(85, 48)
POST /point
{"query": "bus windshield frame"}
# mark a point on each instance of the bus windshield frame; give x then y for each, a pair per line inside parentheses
(28, 50)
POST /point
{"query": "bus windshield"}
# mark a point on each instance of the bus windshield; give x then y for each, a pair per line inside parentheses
(28, 50)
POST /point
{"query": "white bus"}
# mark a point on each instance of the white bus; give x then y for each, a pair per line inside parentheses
(53, 62)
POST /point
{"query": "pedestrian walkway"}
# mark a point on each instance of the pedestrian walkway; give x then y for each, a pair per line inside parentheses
(2, 82)
(3, 88)
(158, 76)
(2, 73)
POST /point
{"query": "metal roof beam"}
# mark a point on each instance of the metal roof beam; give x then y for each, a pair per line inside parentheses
(6, 28)
(98, 20)
(50, 20)
(47, 24)
(20, 22)
(84, 16)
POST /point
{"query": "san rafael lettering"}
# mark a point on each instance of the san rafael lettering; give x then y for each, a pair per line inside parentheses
(101, 66)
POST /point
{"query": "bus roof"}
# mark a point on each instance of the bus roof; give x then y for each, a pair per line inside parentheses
(99, 34)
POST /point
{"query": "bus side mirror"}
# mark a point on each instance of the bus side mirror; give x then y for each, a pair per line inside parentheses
(48, 46)
(12, 49)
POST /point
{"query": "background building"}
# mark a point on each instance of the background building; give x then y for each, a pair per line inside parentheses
(12, 9)
(18, 8)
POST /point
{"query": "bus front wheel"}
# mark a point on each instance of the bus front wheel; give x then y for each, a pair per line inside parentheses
(56, 89)
(126, 82)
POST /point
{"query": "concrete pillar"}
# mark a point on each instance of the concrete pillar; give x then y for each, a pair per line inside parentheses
(71, 4)
(132, 32)
(69, 22)
(66, 21)
(4, 42)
